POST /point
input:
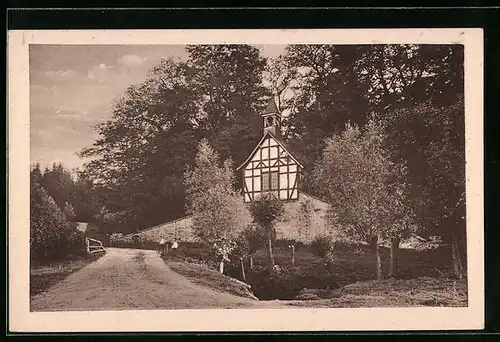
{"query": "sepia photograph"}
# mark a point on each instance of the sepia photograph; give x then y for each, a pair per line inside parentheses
(230, 173)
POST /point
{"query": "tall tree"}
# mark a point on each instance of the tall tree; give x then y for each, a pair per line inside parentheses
(229, 80)
(147, 142)
(358, 179)
(328, 93)
(218, 210)
(58, 183)
(432, 141)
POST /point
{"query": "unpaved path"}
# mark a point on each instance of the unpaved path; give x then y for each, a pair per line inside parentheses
(134, 279)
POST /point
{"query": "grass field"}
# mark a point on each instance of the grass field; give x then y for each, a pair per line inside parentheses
(44, 276)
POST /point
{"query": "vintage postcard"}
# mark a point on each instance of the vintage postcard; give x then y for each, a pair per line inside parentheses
(245, 180)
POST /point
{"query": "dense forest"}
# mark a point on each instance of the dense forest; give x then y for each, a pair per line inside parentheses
(135, 177)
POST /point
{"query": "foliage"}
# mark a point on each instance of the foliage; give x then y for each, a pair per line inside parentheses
(323, 245)
(138, 161)
(52, 236)
(362, 185)
(137, 164)
(224, 247)
(437, 177)
(336, 84)
(267, 210)
(213, 202)
(250, 240)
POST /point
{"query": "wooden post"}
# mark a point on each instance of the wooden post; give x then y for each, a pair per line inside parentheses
(292, 247)
(243, 270)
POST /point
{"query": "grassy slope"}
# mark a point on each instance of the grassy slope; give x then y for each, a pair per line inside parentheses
(43, 277)
(203, 275)
(422, 291)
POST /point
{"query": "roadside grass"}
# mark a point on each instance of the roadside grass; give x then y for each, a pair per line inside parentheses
(422, 291)
(203, 275)
(44, 276)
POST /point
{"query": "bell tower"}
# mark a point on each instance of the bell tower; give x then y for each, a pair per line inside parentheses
(272, 119)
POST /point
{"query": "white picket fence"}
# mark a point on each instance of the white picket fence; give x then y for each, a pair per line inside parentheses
(94, 246)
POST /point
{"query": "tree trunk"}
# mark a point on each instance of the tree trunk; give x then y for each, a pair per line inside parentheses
(455, 254)
(221, 266)
(376, 252)
(270, 256)
(243, 270)
(293, 256)
(394, 257)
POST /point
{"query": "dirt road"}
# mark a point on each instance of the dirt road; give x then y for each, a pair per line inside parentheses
(133, 279)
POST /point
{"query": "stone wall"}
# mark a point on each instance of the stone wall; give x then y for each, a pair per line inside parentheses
(180, 229)
(303, 220)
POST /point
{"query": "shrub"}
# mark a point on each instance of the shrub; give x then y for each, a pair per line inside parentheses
(322, 245)
(288, 283)
(52, 237)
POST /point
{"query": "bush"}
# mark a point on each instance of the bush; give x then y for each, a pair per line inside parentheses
(287, 284)
(322, 245)
(52, 237)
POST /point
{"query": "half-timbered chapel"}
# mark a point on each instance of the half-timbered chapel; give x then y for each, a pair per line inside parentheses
(271, 167)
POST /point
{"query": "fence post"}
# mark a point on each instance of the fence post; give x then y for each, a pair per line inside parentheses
(243, 270)
(293, 254)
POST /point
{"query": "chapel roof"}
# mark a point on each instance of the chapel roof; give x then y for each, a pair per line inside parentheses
(283, 144)
(271, 108)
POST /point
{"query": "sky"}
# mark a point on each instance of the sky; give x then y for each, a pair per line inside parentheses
(73, 87)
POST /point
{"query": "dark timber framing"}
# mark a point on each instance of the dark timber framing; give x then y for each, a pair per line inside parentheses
(281, 163)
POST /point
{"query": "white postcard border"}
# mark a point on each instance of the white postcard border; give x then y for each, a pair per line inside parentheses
(300, 319)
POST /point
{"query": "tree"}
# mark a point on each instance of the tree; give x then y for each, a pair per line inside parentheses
(357, 178)
(137, 164)
(52, 237)
(265, 212)
(216, 207)
(435, 169)
(147, 142)
(229, 80)
(58, 183)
